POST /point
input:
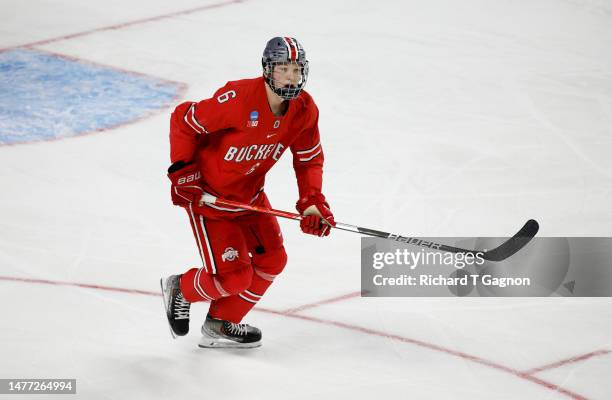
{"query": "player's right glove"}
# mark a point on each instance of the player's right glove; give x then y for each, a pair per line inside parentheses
(186, 187)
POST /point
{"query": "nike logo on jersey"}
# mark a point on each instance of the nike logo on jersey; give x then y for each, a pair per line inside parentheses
(270, 135)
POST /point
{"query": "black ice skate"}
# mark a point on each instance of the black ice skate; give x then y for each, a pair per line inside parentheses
(220, 333)
(177, 308)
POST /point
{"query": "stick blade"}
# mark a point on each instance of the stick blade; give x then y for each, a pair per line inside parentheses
(515, 243)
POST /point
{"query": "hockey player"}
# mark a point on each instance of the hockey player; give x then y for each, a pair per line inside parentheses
(224, 146)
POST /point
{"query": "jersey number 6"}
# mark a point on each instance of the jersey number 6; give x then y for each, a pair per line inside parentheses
(222, 98)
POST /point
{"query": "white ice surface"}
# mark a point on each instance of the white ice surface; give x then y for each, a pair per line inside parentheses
(439, 118)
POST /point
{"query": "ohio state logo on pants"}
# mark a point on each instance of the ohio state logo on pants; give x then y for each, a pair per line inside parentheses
(229, 254)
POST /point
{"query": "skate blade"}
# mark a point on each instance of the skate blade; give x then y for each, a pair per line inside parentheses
(214, 343)
(163, 291)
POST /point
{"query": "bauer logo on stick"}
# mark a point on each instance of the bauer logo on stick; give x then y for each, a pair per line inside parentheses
(229, 254)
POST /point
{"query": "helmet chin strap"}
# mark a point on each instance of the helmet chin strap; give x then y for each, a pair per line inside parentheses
(281, 91)
(273, 90)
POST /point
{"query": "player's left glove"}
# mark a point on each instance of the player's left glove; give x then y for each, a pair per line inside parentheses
(186, 187)
(317, 217)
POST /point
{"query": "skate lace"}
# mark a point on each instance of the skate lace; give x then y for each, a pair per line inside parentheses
(181, 308)
(237, 329)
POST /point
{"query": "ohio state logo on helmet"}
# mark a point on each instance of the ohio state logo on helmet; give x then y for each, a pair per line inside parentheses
(284, 50)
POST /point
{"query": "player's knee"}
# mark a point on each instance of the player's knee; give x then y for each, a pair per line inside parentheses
(270, 261)
(236, 281)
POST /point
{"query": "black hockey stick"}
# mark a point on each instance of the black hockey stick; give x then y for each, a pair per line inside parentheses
(503, 251)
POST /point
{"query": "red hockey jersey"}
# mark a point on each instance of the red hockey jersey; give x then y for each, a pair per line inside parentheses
(235, 139)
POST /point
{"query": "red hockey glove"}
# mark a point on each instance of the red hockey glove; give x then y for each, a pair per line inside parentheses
(318, 218)
(186, 187)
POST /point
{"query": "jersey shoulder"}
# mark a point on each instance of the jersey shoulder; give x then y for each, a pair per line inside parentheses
(307, 109)
(242, 85)
(306, 101)
(236, 95)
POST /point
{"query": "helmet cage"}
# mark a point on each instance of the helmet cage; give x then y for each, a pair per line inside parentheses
(290, 92)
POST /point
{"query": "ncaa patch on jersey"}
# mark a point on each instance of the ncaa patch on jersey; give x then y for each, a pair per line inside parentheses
(253, 117)
(46, 96)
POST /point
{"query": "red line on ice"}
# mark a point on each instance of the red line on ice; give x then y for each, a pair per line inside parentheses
(435, 347)
(570, 360)
(81, 285)
(320, 303)
(126, 24)
(491, 364)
